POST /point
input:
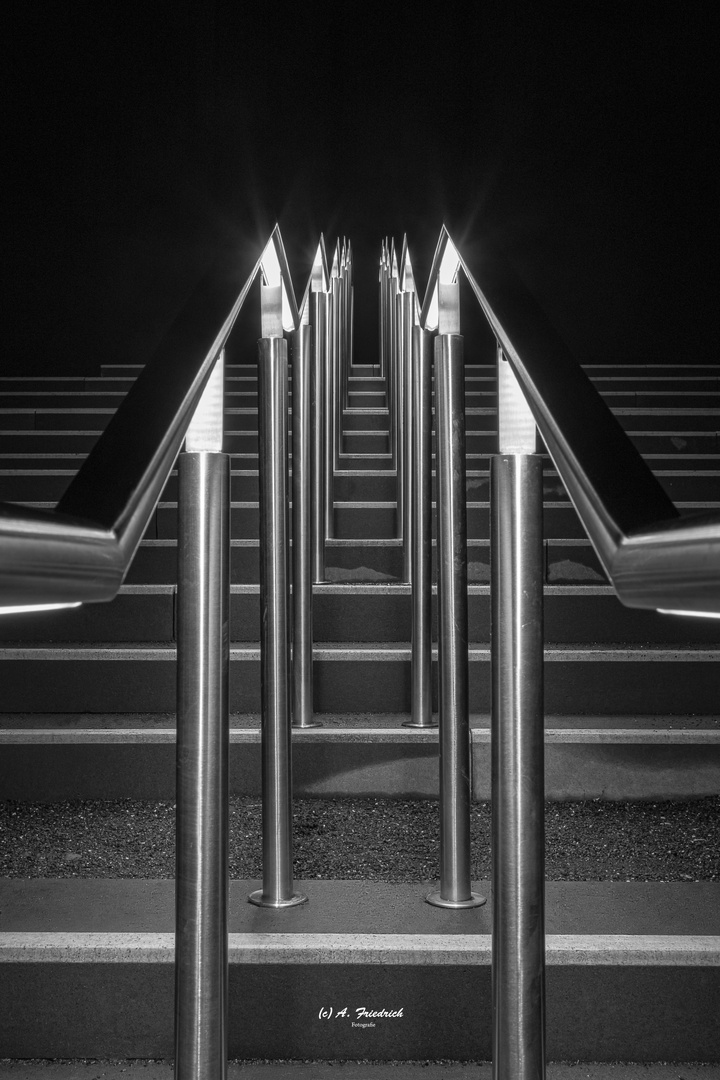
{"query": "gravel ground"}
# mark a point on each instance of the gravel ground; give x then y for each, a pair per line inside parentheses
(372, 839)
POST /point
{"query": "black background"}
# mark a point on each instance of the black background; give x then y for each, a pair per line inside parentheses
(139, 137)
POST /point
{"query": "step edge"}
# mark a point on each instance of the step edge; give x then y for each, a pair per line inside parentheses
(600, 950)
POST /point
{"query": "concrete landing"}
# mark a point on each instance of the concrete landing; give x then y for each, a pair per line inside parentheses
(348, 1070)
(364, 971)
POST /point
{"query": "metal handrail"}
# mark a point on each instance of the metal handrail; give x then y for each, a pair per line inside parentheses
(80, 551)
(653, 558)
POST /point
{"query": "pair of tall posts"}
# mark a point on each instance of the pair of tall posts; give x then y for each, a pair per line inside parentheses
(203, 650)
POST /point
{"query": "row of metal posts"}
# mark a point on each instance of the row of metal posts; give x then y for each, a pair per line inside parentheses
(517, 721)
(203, 645)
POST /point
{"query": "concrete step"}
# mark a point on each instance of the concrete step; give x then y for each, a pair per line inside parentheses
(141, 678)
(633, 972)
(581, 614)
(478, 419)
(345, 560)
(53, 757)
(677, 443)
(19, 483)
(360, 520)
(592, 370)
(678, 460)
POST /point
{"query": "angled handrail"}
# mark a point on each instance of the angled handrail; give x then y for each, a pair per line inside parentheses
(80, 551)
(653, 558)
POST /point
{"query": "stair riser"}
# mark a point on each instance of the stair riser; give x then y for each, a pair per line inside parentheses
(477, 421)
(579, 687)
(574, 770)
(623, 370)
(367, 522)
(26, 440)
(37, 459)
(365, 443)
(247, 398)
(567, 562)
(358, 617)
(597, 1013)
(52, 485)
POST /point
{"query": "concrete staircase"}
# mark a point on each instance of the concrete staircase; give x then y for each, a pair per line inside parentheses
(87, 699)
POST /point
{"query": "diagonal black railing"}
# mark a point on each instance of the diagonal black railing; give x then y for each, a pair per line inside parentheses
(80, 551)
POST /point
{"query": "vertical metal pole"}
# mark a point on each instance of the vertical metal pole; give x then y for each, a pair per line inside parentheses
(336, 323)
(400, 421)
(455, 890)
(406, 309)
(394, 369)
(517, 744)
(330, 424)
(202, 766)
(421, 650)
(381, 314)
(277, 890)
(319, 301)
(302, 651)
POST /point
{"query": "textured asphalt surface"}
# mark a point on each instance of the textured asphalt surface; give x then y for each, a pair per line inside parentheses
(369, 839)
(402, 1070)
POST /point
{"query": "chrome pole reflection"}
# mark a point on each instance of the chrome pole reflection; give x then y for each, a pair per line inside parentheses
(516, 495)
(277, 889)
(400, 416)
(302, 606)
(319, 342)
(421, 649)
(329, 419)
(203, 733)
(407, 313)
(455, 889)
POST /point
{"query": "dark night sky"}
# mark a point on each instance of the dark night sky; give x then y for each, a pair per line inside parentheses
(140, 136)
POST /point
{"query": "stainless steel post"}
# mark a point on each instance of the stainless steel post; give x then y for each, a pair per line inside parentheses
(336, 322)
(517, 742)
(421, 650)
(302, 606)
(381, 314)
(405, 313)
(330, 422)
(393, 373)
(400, 423)
(277, 890)
(202, 766)
(319, 309)
(455, 890)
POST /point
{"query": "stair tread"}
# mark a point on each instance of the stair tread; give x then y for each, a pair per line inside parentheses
(370, 909)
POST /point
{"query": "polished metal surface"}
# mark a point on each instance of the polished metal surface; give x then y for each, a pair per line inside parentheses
(276, 745)
(406, 313)
(455, 890)
(271, 310)
(400, 415)
(203, 735)
(302, 600)
(317, 486)
(421, 715)
(653, 559)
(517, 433)
(81, 551)
(207, 427)
(330, 422)
(516, 550)
(336, 365)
